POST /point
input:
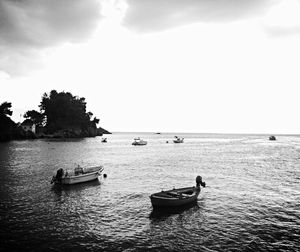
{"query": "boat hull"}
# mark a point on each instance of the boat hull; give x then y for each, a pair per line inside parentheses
(177, 141)
(79, 178)
(139, 143)
(79, 175)
(175, 198)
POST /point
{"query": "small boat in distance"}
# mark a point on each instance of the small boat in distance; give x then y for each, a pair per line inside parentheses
(77, 175)
(177, 197)
(178, 139)
(272, 138)
(104, 140)
(139, 141)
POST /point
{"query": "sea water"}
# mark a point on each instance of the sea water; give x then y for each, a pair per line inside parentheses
(251, 201)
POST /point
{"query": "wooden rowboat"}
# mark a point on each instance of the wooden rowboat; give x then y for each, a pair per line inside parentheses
(177, 197)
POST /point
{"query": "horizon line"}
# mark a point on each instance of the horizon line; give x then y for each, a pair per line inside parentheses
(210, 133)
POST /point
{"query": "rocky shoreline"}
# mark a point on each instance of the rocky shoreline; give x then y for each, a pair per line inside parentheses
(61, 115)
(17, 133)
(74, 133)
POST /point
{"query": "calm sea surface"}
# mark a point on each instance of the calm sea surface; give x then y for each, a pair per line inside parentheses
(251, 202)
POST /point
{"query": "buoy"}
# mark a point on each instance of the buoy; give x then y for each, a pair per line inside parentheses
(104, 175)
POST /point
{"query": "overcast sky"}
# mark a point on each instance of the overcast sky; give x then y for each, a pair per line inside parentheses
(213, 66)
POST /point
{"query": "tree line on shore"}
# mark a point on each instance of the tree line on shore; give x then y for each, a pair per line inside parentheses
(61, 115)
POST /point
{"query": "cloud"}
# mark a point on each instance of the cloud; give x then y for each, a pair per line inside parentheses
(27, 26)
(283, 19)
(282, 31)
(155, 15)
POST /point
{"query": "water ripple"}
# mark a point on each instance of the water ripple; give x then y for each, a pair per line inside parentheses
(251, 201)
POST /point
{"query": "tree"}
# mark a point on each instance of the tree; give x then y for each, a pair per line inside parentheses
(65, 111)
(5, 109)
(35, 116)
(7, 126)
(96, 120)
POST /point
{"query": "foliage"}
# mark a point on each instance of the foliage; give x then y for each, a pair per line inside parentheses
(35, 116)
(65, 111)
(7, 126)
(5, 109)
(60, 113)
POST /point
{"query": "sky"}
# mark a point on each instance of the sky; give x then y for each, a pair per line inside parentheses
(206, 66)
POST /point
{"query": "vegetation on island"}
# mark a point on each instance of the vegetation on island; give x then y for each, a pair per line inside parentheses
(61, 115)
(7, 126)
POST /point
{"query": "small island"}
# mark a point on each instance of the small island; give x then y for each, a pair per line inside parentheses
(61, 115)
(272, 138)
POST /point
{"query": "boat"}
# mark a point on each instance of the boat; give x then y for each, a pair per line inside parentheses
(177, 197)
(272, 138)
(139, 141)
(178, 139)
(104, 140)
(76, 175)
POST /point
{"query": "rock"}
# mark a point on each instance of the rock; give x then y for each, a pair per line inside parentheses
(101, 131)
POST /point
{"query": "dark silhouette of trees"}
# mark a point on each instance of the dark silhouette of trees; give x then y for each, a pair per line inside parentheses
(61, 115)
(5, 109)
(7, 126)
(63, 111)
(35, 117)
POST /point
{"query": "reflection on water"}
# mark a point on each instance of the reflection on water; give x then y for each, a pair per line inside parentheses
(162, 213)
(66, 140)
(251, 203)
(75, 187)
(59, 189)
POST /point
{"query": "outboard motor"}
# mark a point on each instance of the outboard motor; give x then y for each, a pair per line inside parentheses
(59, 174)
(200, 182)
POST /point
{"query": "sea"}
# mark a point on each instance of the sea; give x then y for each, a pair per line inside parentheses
(251, 201)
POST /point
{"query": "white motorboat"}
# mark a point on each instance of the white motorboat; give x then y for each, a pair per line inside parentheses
(77, 175)
(139, 141)
(272, 138)
(178, 139)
